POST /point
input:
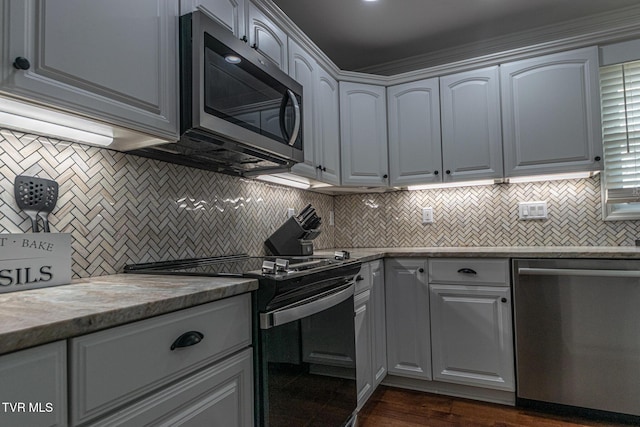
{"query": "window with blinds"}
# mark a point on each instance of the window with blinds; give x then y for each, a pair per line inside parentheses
(620, 96)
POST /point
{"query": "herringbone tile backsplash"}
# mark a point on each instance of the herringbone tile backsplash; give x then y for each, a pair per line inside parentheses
(124, 209)
(481, 216)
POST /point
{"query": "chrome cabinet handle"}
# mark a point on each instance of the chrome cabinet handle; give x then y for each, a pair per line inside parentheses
(187, 339)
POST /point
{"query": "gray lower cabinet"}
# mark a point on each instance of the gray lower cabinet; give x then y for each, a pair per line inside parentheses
(371, 348)
(33, 386)
(407, 318)
(449, 326)
(115, 61)
(161, 360)
(471, 326)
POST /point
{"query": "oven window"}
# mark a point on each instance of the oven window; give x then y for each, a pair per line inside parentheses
(245, 95)
(309, 369)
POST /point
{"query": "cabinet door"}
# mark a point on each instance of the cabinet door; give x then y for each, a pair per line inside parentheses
(364, 356)
(304, 69)
(472, 336)
(219, 395)
(267, 38)
(116, 61)
(363, 134)
(551, 114)
(33, 386)
(471, 125)
(378, 324)
(327, 103)
(230, 13)
(407, 317)
(414, 133)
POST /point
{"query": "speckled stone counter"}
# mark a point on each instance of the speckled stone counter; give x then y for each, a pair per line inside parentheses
(38, 316)
(612, 252)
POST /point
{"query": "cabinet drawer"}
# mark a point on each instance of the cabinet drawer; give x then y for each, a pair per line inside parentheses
(221, 394)
(111, 367)
(469, 271)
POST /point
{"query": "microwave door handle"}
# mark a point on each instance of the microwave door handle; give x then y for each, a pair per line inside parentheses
(296, 123)
(283, 125)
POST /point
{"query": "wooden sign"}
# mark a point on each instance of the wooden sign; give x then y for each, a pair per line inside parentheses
(34, 260)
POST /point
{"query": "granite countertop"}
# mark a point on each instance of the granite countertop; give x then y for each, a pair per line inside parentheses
(38, 316)
(601, 252)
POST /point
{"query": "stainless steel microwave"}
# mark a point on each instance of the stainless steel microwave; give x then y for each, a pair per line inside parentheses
(239, 113)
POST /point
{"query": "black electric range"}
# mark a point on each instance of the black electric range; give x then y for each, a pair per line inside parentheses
(304, 334)
(283, 279)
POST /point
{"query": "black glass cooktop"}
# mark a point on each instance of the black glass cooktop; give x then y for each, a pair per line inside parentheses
(238, 266)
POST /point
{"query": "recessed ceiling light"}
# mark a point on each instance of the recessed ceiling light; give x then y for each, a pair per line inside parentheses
(232, 59)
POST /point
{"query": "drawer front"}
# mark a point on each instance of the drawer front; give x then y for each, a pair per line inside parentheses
(112, 367)
(221, 394)
(480, 271)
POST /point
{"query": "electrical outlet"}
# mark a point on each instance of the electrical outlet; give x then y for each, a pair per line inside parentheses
(532, 210)
(427, 215)
(332, 219)
(290, 212)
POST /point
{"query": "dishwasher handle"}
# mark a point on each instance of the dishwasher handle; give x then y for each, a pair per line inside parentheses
(529, 271)
(307, 307)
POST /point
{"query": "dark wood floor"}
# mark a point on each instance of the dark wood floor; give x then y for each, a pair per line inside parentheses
(392, 407)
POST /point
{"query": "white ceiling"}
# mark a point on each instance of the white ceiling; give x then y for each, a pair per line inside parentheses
(357, 34)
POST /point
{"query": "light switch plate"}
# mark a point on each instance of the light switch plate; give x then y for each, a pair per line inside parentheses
(532, 210)
(427, 215)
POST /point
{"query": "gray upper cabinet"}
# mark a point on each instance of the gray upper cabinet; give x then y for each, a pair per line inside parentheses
(267, 38)
(321, 118)
(304, 69)
(551, 113)
(115, 61)
(327, 104)
(414, 133)
(230, 13)
(363, 134)
(471, 125)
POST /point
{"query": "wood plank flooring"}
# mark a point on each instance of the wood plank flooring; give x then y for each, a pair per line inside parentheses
(393, 407)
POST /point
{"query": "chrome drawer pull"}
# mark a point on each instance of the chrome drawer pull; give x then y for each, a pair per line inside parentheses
(187, 339)
(467, 271)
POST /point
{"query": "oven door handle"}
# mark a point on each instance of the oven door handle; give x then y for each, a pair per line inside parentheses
(306, 307)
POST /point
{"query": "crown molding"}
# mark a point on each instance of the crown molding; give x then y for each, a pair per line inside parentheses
(604, 28)
(608, 27)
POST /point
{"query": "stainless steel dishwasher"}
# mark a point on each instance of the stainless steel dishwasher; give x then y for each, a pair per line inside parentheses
(577, 325)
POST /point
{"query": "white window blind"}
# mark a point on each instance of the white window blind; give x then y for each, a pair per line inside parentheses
(620, 93)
